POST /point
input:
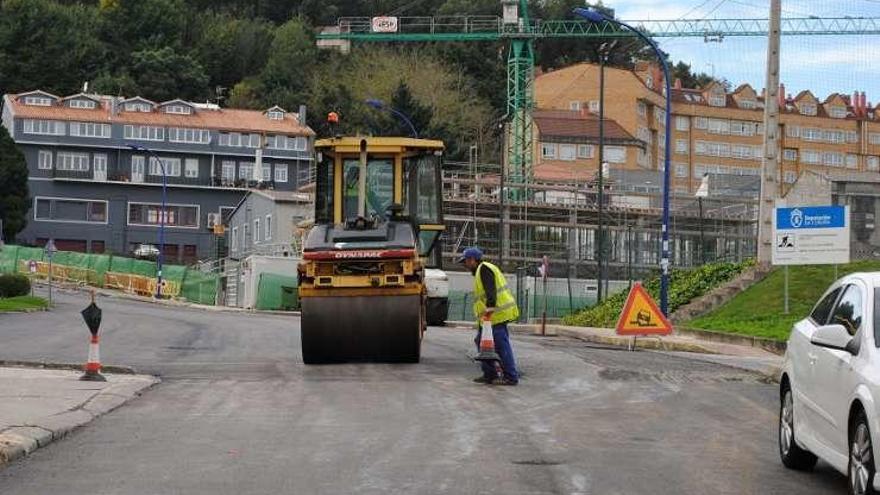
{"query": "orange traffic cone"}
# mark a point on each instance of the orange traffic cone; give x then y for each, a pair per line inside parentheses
(93, 366)
(487, 343)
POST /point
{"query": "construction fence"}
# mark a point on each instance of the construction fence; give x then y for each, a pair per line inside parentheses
(116, 272)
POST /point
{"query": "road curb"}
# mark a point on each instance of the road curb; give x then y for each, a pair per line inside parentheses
(112, 369)
(19, 441)
(769, 345)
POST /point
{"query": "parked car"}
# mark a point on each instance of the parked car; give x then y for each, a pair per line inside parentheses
(830, 384)
(146, 252)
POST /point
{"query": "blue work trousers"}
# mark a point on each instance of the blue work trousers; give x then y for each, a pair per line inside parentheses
(504, 350)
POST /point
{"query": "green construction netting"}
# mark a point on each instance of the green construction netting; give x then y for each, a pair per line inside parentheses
(195, 286)
(277, 292)
(199, 287)
(558, 305)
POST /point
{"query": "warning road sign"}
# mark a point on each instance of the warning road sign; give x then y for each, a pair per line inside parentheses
(641, 316)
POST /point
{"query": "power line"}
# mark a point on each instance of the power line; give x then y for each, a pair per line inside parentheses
(698, 7)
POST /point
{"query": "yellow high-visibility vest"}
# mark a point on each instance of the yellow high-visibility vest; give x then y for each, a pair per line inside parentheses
(505, 304)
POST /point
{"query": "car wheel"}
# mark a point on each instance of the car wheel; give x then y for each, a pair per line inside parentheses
(793, 457)
(860, 475)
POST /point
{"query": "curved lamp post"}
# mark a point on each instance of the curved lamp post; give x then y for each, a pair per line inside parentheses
(160, 258)
(598, 17)
(380, 105)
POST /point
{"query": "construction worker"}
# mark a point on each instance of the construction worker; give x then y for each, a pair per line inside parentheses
(493, 299)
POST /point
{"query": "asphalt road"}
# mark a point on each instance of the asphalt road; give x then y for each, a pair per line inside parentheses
(238, 412)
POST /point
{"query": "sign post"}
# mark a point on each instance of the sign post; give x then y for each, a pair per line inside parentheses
(50, 251)
(810, 235)
(545, 267)
(32, 270)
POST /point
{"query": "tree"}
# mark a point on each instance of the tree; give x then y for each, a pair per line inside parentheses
(14, 201)
(682, 72)
(159, 74)
(231, 49)
(284, 78)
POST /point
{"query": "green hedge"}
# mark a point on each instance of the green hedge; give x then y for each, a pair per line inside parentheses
(14, 285)
(684, 286)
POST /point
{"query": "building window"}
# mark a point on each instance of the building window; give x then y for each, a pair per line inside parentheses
(681, 170)
(682, 123)
(266, 170)
(807, 108)
(834, 137)
(681, 146)
(234, 239)
(567, 152)
(792, 131)
(44, 127)
(811, 157)
(280, 172)
(172, 167)
(790, 176)
(614, 154)
(150, 214)
(39, 101)
(178, 109)
(69, 210)
(742, 128)
(585, 151)
(89, 129)
(852, 160)
(281, 142)
(811, 134)
(184, 135)
(574, 105)
(548, 150)
(872, 163)
(789, 154)
(643, 109)
(717, 126)
(230, 139)
(837, 112)
(717, 100)
(701, 122)
(748, 104)
(87, 104)
(145, 132)
(852, 137)
(644, 134)
(268, 235)
(228, 170)
(594, 106)
(191, 168)
(257, 231)
(44, 161)
(276, 115)
(833, 158)
(660, 116)
(246, 170)
(74, 162)
(137, 107)
(251, 140)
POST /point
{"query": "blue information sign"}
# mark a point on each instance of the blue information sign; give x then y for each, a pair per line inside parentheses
(811, 217)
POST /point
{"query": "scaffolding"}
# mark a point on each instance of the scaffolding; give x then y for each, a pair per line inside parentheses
(558, 219)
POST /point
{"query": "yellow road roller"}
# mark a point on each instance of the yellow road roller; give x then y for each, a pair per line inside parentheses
(378, 218)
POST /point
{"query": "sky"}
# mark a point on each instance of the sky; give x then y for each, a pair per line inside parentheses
(822, 64)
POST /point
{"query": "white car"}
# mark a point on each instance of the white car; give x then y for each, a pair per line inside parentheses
(437, 288)
(830, 384)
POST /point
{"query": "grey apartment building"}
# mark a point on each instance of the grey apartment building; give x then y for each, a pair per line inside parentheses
(92, 192)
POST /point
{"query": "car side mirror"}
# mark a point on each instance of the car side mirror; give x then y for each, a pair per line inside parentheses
(833, 337)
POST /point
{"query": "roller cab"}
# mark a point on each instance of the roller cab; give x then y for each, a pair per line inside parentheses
(377, 223)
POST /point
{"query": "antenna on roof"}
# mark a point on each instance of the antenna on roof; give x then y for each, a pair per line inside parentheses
(86, 87)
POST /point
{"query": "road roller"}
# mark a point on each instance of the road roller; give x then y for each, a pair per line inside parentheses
(378, 220)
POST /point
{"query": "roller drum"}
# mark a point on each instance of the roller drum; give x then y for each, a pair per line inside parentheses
(361, 328)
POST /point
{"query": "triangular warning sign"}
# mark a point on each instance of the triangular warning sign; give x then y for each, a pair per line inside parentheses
(641, 316)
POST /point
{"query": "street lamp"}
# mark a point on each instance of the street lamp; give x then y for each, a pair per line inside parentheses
(598, 17)
(380, 105)
(162, 214)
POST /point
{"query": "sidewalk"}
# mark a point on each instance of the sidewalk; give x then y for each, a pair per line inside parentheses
(740, 353)
(39, 406)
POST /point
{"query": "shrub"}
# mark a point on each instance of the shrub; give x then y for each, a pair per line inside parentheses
(13, 285)
(684, 286)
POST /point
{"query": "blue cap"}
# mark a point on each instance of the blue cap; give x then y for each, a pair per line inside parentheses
(471, 252)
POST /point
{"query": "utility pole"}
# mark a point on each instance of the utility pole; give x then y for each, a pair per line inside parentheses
(770, 168)
(600, 235)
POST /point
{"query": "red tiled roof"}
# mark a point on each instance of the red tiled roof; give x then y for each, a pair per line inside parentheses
(224, 119)
(572, 124)
(564, 171)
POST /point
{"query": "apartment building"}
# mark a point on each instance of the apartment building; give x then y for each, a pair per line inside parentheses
(95, 167)
(714, 130)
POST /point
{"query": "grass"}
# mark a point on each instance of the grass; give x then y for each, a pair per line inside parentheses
(22, 303)
(758, 311)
